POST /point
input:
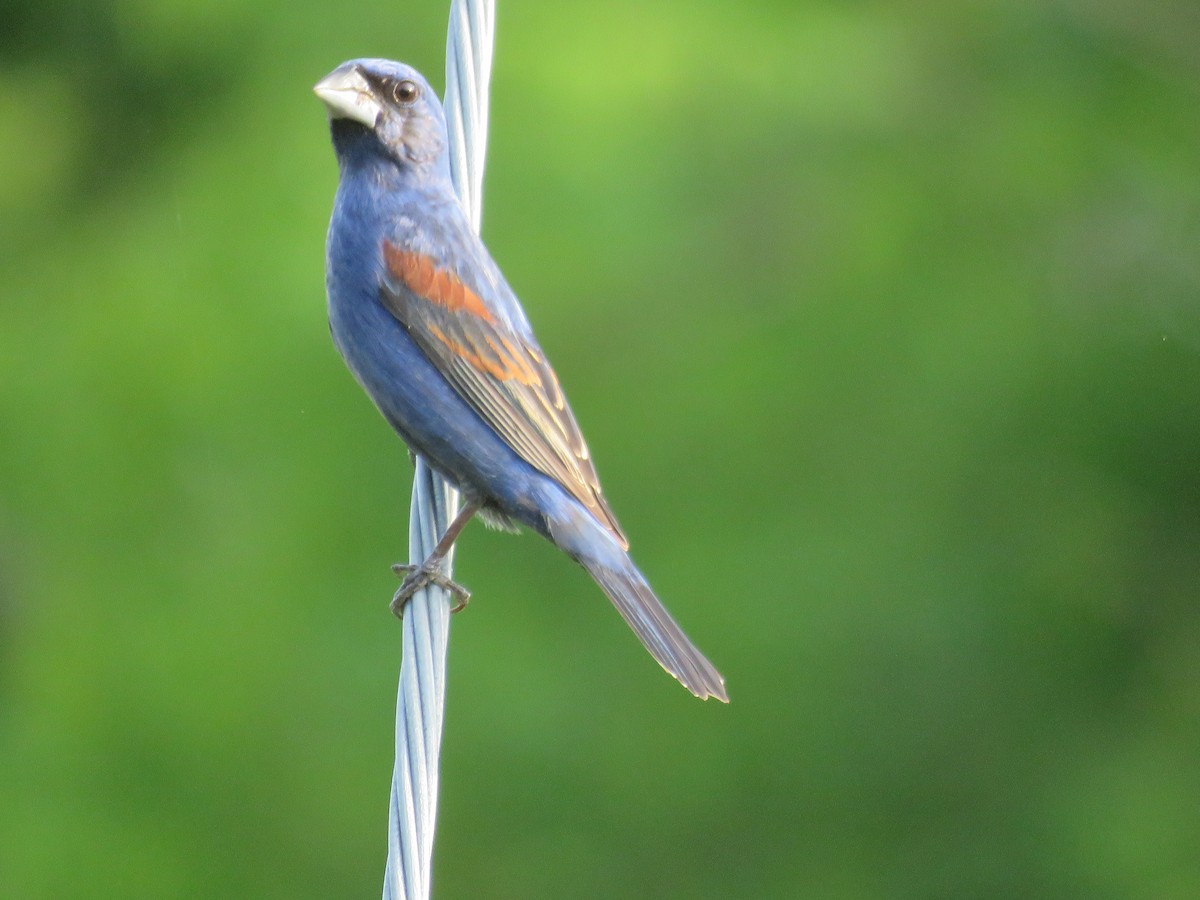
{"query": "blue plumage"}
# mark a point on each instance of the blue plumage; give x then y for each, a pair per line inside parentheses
(437, 339)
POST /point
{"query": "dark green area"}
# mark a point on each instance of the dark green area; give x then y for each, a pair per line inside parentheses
(884, 326)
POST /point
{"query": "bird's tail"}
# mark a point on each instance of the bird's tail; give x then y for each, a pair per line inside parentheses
(655, 628)
(614, 571)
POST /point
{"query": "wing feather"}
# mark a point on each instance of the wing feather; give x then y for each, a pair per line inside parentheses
(503, 375)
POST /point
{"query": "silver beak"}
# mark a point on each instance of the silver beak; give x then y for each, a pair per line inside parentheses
(347, 95)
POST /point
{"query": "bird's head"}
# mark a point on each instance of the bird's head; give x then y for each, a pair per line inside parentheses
(390, 101)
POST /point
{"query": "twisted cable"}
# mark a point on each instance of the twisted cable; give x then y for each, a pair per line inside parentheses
(421, 697)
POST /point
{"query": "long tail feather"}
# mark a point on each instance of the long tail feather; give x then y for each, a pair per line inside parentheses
(655, 628)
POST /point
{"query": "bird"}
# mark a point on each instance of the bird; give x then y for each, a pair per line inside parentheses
(432, 332)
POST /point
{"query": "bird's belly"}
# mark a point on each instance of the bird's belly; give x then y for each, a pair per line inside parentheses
(431, 417)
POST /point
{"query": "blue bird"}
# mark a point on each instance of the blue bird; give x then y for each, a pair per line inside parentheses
(433, 333)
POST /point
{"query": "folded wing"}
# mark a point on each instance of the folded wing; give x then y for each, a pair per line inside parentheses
(503, 375)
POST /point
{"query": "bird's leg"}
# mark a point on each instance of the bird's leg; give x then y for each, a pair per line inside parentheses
(429, 571)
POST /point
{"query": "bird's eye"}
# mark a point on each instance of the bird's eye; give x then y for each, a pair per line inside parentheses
(405, 91)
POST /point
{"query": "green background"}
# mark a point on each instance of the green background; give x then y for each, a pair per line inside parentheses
(883, 321)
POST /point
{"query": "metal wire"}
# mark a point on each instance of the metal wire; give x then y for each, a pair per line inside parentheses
(420, 699)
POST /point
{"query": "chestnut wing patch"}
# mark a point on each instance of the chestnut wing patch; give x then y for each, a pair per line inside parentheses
(502, 375)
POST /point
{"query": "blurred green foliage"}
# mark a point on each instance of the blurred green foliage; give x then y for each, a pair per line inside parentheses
(884, 325)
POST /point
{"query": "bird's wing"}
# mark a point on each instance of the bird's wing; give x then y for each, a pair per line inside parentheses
(500, 373)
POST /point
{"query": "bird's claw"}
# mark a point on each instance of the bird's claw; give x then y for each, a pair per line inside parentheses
(416, 577)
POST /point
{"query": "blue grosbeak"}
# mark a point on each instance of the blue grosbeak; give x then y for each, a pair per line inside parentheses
(436, 337)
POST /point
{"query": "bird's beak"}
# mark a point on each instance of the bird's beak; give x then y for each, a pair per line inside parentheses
(347, 95)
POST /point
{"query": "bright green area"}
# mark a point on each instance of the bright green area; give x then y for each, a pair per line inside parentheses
(883, 322)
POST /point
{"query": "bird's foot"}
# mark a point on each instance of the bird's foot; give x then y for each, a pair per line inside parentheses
(416, 577)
